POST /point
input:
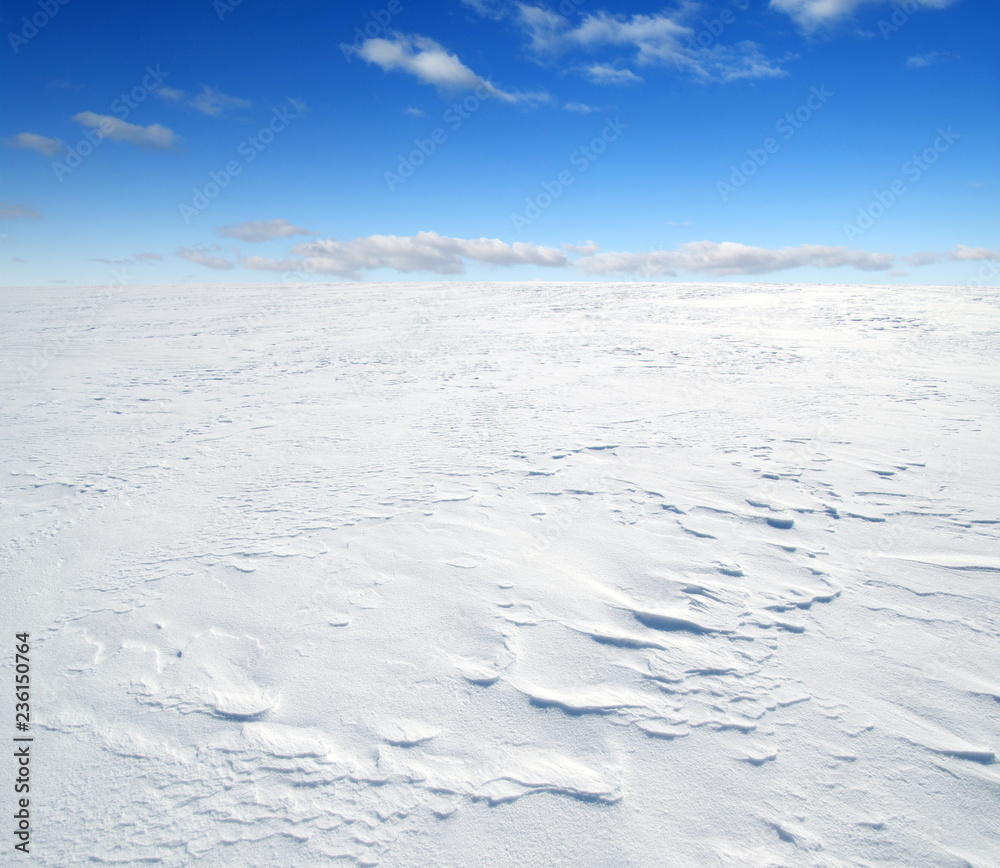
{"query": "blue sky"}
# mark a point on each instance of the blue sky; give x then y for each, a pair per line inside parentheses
(834, 141)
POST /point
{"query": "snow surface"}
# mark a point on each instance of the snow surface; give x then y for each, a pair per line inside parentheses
(506, 574)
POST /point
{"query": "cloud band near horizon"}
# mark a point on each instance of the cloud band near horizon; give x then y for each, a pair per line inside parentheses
(439, 254)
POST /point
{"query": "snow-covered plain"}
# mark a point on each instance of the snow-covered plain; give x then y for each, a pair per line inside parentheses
(505, 574)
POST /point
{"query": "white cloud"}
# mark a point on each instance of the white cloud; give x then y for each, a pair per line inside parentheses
(730, 257)
(144, 258)
(919, 61)
(209, 101)
(544, 28)
(203, 257)
(45, 146)
(425, 251)
(495, 9)
(10, 211)
(414, 112)
(729, 63)
(430, 63)
(421, 57)
(924, 258)
(154, 136)
(657, 38)
(602, 73)
(441, 254)
(580, 107)
(645, 40)
(958, 253)
(961, 253)
(213, 102)
(262, 230)
(810, 14)
(813, 14)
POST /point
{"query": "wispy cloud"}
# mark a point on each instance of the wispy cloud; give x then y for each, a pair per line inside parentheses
(961, 253)
(730, 257)
(602, 73)
(812, 15)
(204, 257)
(545, 29)
(431, 63)
(425, 251)
(262, 230)
(442, 254)
(154, 136)
(208, 101)
(495, 9)
(958, 253)
(919, 61)
(142, 258)
(725, 63)
(659, 39)
(10, 211)
(213, 102)
(34, 142)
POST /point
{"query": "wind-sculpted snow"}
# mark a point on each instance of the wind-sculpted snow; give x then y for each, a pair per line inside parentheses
(500, 574)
